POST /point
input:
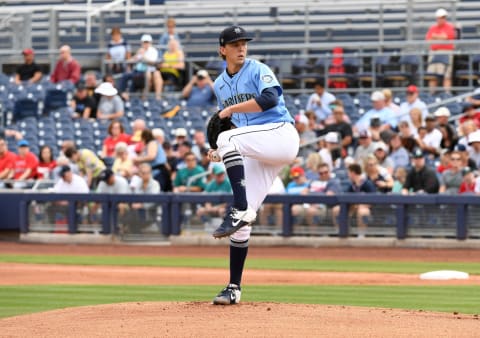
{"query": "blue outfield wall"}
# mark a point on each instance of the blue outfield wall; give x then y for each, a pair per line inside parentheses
(14, 208)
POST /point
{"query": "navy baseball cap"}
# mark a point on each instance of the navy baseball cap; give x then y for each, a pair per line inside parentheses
(232, 34)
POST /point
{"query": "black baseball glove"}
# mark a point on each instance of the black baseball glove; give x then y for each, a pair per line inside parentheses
(215, 126)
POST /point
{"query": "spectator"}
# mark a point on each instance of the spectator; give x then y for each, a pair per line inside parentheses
(118, 52)
(70, 182)
(381, 154)
(142, 215)
(324, 185)
(26, 163)
(415, 121)
(466, 160)
(155, 155)
(88, 164)
(173, 64)
(199, 90)
(420, 178)
(110, 106)
(307, 136)
(67, 68)
(409, 139)
(189, 179)
(365, 146)
(385, 115)
(398, 154)
(465, 129)
(378, 174)
(451, 179)
(123, 164)
(399, 176)
(181, 135)
(312, 163)
(110, 183)
(46, 163)
(449, 135)
(332, 153)
(170, 34)
(219, 184)
(474, 143)
(83, 105)
(7, 161)
(319, 102)
(430, 143)
(470, 114)
(116, 134)
(337, 67)
(28, 72)
(442, 30)
(145, 71)
(199, 143)
(412, 101)
(360, 184)
(468, 181)
(298, 185)
(136, 145)
(10, 133)
(340, 126)
(389, 101)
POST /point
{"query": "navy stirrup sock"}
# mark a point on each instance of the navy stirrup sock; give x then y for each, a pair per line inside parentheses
(238, 254)
(236, 174)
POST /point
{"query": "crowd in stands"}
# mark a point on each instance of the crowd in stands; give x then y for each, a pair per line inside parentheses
(393, 147)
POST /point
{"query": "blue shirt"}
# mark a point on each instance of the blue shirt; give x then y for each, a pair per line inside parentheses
(386, 116)
(295, 188)
(201, 97)
(248, 83)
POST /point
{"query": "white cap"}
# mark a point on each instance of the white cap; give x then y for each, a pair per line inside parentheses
(158, 132)
(331, 137)
(202, 73)
(377, 96)
(442, 111)
(107, 89)
(146, 37)
(180, 132)
(440, 13)
(474, 137)
(381, 145)
(301, 118)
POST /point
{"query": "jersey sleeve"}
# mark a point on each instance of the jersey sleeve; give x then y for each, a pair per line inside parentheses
(266, 78)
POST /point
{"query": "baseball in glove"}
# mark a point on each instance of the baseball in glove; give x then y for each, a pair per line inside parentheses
(215, 126)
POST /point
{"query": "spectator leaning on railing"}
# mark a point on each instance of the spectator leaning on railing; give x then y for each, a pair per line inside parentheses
(26, 163)
(7, 161)
(420, 178)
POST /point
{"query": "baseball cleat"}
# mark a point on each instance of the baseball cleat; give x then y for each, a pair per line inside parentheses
(228, 296)
(234, 221)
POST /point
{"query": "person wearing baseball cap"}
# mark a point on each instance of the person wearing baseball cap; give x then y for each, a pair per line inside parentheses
(470, 113)
(199, 90)
(420, 178)
(264, 140)
(28, 72)
(412, 101)
(440, 58)
(385, 114)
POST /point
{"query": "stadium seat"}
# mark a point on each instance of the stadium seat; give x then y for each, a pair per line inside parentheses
(405, 71)
(54, 99)
(374, 76)
(25, 108)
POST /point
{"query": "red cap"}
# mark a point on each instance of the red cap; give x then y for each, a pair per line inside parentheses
(412, 89)
(296, 172)
(28, 51)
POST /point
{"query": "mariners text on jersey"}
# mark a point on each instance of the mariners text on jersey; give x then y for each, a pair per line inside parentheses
(242, 97)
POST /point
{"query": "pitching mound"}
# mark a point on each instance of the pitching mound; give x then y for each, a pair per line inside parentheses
(199, 319)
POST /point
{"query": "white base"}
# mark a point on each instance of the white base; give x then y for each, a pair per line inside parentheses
(444, 275)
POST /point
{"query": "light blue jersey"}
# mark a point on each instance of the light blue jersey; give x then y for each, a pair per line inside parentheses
(249, 83)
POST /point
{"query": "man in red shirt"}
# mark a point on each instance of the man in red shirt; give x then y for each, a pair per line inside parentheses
(67, 68)
(442, 30)
(7, 161)
(26, 163)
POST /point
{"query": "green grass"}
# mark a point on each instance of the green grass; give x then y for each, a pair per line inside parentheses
(252, 263)
(15, 300)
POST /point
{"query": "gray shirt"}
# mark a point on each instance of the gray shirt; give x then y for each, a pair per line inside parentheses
(110, 106)
(400, 157)
(120, 186)
(451, 181)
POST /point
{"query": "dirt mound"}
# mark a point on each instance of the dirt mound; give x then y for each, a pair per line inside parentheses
(200, 319)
